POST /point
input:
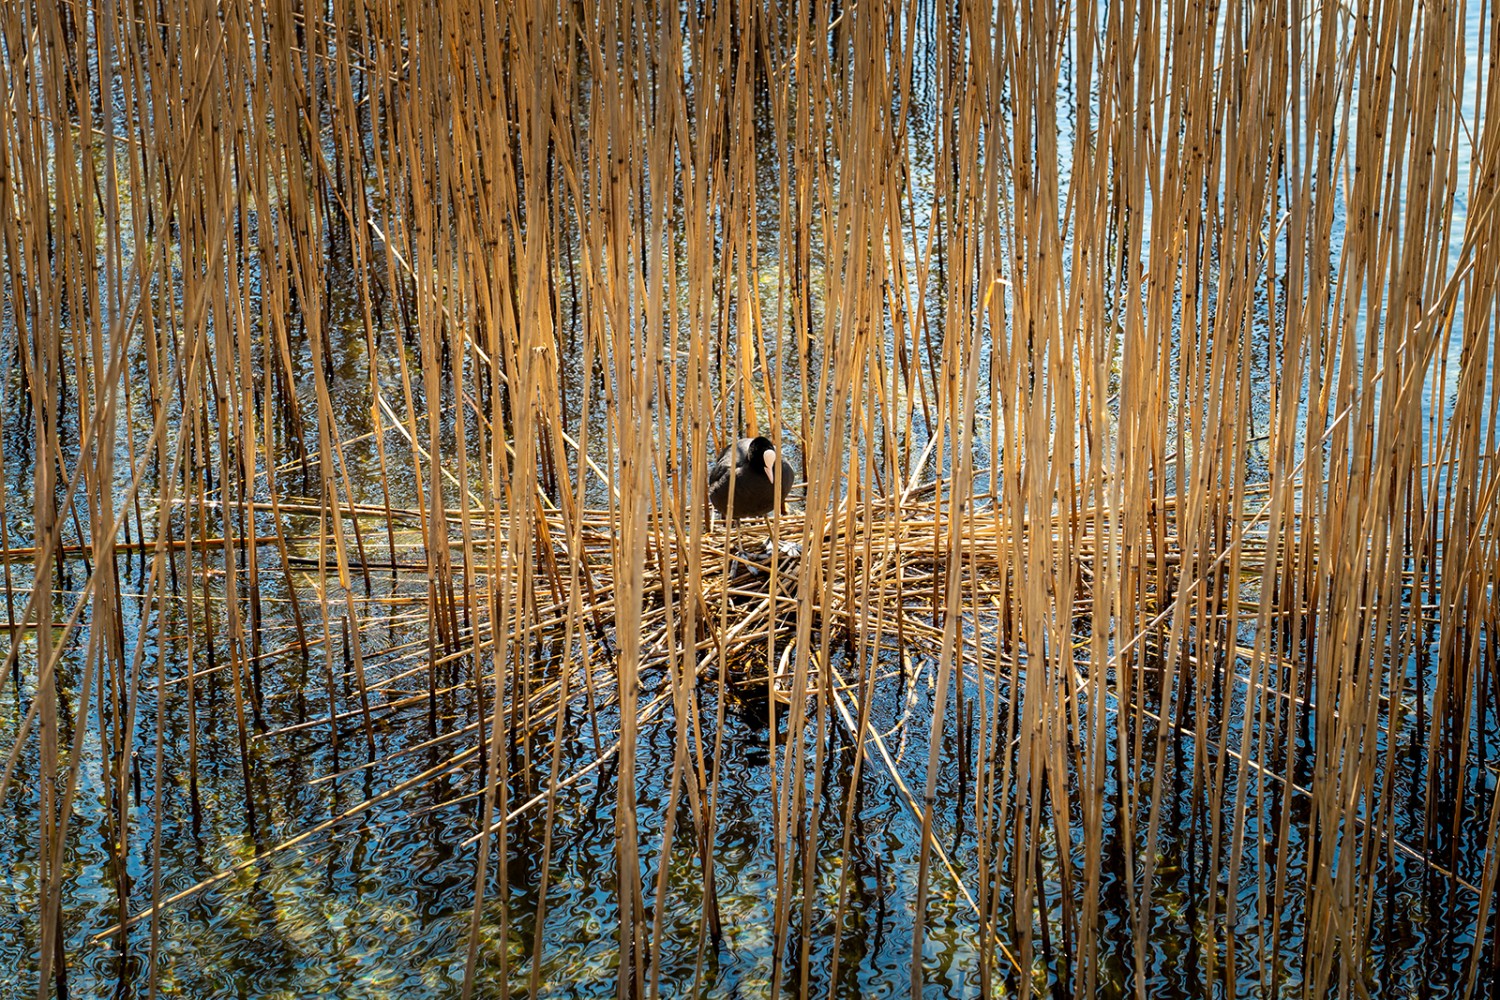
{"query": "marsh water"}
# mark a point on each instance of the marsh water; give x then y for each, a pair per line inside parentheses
(375, 898)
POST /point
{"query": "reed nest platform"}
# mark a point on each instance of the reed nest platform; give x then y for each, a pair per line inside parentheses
(879, 576)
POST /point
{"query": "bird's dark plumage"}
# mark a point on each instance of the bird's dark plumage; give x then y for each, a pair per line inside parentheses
(748, 465)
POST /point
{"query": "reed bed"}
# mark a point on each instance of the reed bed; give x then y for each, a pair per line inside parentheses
(365, 363)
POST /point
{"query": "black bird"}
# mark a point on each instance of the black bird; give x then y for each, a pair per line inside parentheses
(751, 466)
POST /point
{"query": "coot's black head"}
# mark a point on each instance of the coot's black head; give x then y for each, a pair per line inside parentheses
(761, 457)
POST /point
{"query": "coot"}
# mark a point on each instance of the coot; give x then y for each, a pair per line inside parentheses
(750, 465)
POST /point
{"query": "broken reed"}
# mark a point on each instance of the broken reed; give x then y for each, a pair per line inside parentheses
(1171, 289)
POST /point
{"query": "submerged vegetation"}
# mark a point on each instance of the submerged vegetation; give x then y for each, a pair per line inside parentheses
(1131, 631)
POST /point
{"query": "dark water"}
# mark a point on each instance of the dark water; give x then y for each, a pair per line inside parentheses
(378, 904)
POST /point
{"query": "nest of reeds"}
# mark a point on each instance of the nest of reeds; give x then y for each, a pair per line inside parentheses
(874, 574)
